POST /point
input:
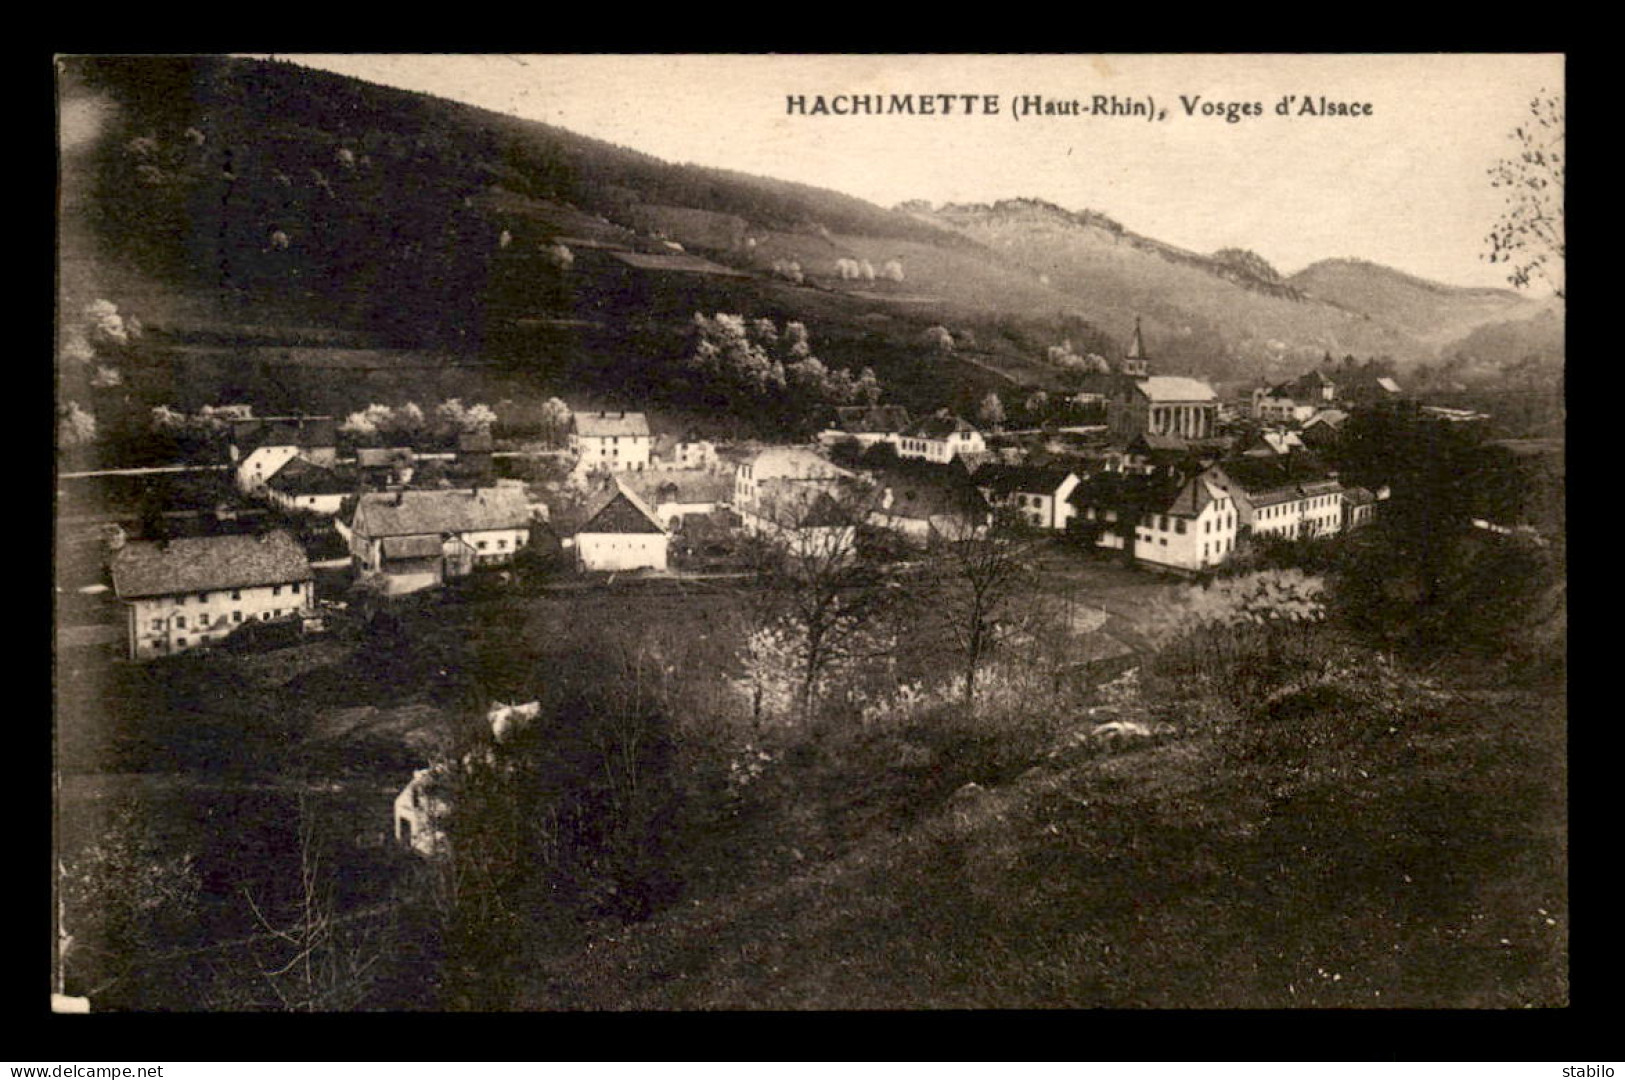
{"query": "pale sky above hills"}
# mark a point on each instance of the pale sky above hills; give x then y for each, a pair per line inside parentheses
(1406, 187)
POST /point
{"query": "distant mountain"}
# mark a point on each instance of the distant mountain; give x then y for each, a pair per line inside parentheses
(1428, 311)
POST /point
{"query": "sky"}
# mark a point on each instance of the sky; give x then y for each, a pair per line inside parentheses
(1406, 186)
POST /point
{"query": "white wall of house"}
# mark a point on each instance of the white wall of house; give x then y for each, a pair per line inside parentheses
(319, 504)
(1188, 543)
(418, 817)
(621, 551)
(671, 513)
(165, 625)
(617, 453)
(1317, 515)
(493, 546)
(941, 450)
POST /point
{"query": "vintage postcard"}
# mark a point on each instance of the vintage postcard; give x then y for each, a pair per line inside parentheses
(742, 532)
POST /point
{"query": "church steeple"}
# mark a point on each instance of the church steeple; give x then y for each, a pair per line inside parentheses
(1134, 361)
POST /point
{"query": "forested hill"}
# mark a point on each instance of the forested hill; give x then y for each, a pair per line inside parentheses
(261, 192)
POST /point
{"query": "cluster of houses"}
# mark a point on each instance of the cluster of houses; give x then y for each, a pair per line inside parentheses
(1168, 488)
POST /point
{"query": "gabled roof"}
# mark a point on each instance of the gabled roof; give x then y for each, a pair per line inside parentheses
(380, 457)
(1027, 479)
(679, 486)
(309, 432)
(415, 513)
(602, 425)
(1332, 418)
(1358, 496)
(1176, 388)
(616, 509)
(412, 547)
(1194, 497)
(794, 462)
(1280, 478)
(303, 477)
(938, 427)
(921, 490)
(207, 563)
(870, 419)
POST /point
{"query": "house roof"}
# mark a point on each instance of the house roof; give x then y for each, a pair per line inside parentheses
(1358, 496)
(303, 431)
(1161, 444)
(414, 513)
(870, 419)
(602, 425)
(475, 442)
(206, 563)
(1028, 479)
(1176, 388)
(680, 486)
(921, 490)
(1194, 497)
(617, 509)
(793, 462)
(303, 477)
(1332, 418)
(1267, 480)
(939, 427)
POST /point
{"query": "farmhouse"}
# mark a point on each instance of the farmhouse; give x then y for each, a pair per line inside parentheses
(1039, 493)
(302, 485)
(678, 494)
(1192, 532)
(193, 591)
(920, 501)
(620, 532)
(259, 447)
(797, 464)
(612, 441)
(418, 539)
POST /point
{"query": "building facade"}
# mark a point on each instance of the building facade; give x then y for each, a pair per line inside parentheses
(610, 441)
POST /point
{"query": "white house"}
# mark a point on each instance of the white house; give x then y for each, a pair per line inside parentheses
(612, 441)
(621, 532)
(921, 501)
(261, 446)
(302, 485)
(418, 539)
(939, 438)
(866, 425)
(680, 493)
(1195, 531)
(1041, 494)
(193, 591)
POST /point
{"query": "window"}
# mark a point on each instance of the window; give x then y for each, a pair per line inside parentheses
(265, 616)
(180, 601)
(180, 643)
(501, 545)
(157, 624)
(296, 588)
(1163, 541)
(1207, 526)
(480, 544)
(236, 616)
(276, 590)
(236, 594)
(203, 598)
(180, 621)
(1179, 526)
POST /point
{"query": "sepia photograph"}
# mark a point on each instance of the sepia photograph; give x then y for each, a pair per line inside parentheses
(815, 532)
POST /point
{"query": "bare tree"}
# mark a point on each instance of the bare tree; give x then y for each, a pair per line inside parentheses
(822, 600)
(982, 580)
(1529, 236)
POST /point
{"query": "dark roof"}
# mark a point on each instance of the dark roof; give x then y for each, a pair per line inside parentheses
(475, 442)
(871, 419)
(302, 477)
(925, 490)
(1133, 493)
(602, 425)
(1193, 497)
(377, 457)
(307, 431)
(1279, 477)
(938, 427)
(1358, 496)
(680, 486)
(616, 509)
(207, 563)
(415, 513)
(1160, 444)
(1004, 479)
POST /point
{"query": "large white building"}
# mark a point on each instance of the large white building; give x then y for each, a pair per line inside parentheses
(612, 441)
(1194, 532)
(1039, 494)
(1291, 496)
(190, 592)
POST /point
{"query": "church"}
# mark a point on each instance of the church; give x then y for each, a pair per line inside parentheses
(1139, 403)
